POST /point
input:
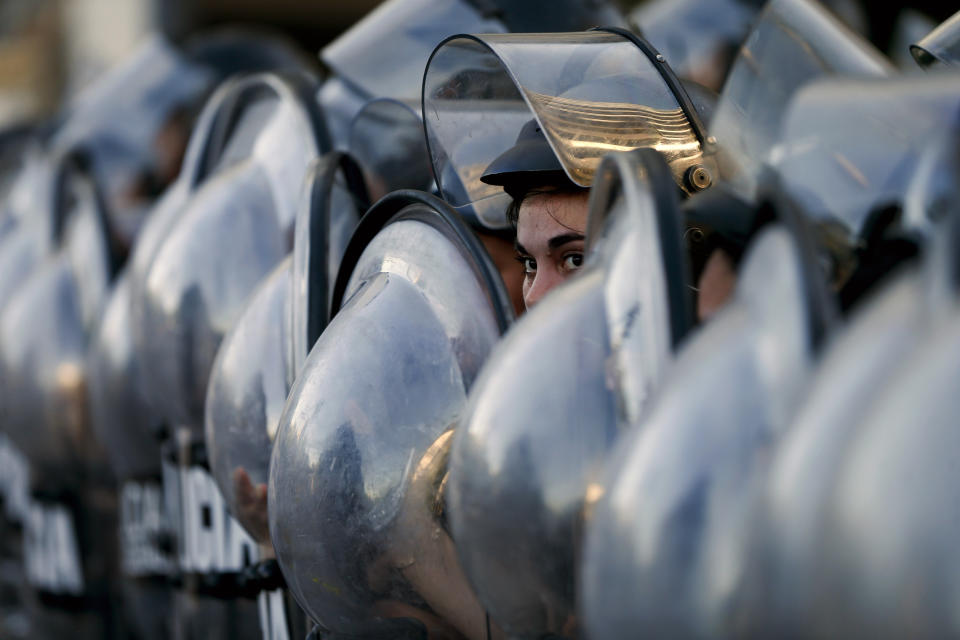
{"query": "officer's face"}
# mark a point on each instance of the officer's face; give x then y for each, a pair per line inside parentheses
(550, 228)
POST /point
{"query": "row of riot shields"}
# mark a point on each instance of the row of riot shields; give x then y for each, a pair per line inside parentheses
(289, 389)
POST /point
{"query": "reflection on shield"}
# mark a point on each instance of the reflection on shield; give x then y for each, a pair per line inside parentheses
(234, 227)
(359, 458)
(258, 358)
(667, 546)
(792, 43)
(578, 368)
(590, 93)
(855, 486)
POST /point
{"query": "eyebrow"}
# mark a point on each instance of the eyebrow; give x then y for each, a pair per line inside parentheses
(553, 243)
(559, 241)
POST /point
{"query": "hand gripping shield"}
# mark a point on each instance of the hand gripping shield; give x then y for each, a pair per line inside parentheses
(355, 496)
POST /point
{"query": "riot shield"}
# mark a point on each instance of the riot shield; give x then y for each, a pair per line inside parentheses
(364, 69)
(700, 38)
(807, 568)
(525, 462)
(386, 138)
(940, 47)
(355, 498)
(44, 333)
(128, 430)
(235, 226)
(590, 93)
(666, 547)
(190, 279)
(259, 357)
(848, 154)
(792, 43)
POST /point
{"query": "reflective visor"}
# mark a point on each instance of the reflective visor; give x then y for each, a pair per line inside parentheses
(794, 42)
(384, 54)
(591, 93)
(940, 46)
(850, 148)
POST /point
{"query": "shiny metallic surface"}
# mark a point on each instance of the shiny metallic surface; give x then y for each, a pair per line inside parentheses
(792, 43)
(386, 138)
(666, 548)
(784, 588)
(235, 227)
(851, 147)
(526, 463)
(889, 551)
(122, 422)
(940, 47)
(44, 331)
(613, 98)
(326, 219)
(355, 514)
(245, 397)
(534, 436)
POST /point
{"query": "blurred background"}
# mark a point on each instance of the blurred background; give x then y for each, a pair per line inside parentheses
(49, 49)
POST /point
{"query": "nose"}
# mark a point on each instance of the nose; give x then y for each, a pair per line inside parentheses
(543, 282)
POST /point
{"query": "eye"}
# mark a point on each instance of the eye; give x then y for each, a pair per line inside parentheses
(528, 263)
(573, 261)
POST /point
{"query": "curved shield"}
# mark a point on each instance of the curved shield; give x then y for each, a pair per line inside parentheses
(891, 522)
(123, 121)
(940, 47)
(255, 364)
(700, 38)
(356, 516)
(793, 579)
(544, 413)
(123, 423)
(386, 138)
(666, 548)
(44, 331)
(792, 43)
(233, 229)
(850, 149)
(590, 93)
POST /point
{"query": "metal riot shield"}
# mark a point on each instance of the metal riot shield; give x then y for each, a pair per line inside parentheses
(940, 47)
(128, 429)
(848, 154)
(257, 361)
(792, 43)
(44, 334)
(666, 547)
(877, 378)
(365, 69)
(355, 492)
(590, 93)
(386, 138)
(259, 358)
(235, 226)
(700, 38)
(190, 280)
(525, 462)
